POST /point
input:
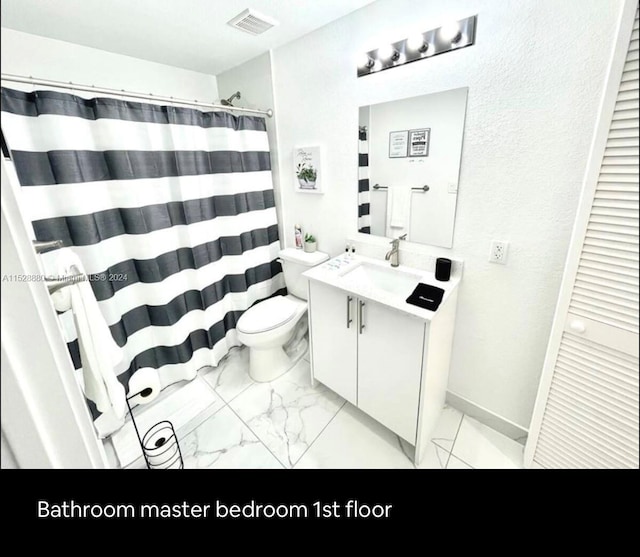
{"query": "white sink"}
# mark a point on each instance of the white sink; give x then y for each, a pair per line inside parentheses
(391, 280)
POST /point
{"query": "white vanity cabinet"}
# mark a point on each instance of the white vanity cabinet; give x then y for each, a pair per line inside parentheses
(391, 364)
(390, 354)
(335, 350)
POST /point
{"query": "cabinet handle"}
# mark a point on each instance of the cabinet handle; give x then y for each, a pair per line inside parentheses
(349, 320)
(360, 316)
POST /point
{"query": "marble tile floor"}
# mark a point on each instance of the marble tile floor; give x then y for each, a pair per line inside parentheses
(289, 424)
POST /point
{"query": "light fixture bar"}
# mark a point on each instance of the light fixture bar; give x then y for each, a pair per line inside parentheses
(450, 36)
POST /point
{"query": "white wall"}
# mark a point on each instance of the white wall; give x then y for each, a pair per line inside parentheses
(535, 78)
(253, 80)
(26, 54)
(433, 212)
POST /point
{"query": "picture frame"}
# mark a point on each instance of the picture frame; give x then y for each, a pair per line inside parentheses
(307, 170)
(398, 144)
(419, 141)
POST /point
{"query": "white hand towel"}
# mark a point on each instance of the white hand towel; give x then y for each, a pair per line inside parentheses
(98, 351)
(108, 423)
(398, 207)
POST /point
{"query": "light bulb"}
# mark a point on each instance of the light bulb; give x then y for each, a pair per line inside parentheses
(365, 61)
(399, 59)
(450, 31)
(417, 42)
(377, 66)
(386, 51)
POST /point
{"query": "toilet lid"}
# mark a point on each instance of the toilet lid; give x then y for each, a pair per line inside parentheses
(267, 315)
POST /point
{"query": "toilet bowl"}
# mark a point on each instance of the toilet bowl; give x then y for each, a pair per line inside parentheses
(267, 326)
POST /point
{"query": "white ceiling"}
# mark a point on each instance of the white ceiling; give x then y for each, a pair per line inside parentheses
(190, 34)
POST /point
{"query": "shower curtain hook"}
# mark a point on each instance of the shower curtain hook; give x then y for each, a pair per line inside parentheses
(71, 89)
(171, 108)
(94, 97)
(175, 104)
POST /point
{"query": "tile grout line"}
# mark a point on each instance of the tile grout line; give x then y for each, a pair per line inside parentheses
(463, 461)
(454, 442)
(308, 353)
(319, 434)
(241, 392)
(220, 394)
(301, 359)
(234, 396)
(225, 403)
(253, 384)
(191, 430)
(256, 436)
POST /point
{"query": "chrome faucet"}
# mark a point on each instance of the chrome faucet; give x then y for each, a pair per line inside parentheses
(394, 254)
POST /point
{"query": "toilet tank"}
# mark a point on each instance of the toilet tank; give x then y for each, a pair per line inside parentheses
(294, 263)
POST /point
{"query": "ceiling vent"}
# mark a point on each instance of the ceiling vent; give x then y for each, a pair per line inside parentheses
(252, 22)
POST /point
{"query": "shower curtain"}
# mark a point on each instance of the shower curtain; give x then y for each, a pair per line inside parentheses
(171, 211)
(364, 219)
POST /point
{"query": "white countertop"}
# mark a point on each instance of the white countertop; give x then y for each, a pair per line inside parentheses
(336, 273)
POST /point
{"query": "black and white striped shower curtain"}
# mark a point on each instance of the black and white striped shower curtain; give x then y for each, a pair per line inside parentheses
(170, 209)
(364, 204)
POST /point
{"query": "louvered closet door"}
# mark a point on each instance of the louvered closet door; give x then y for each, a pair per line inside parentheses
(590, 419)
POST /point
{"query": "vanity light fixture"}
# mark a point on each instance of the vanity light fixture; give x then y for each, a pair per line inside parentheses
(452, 35)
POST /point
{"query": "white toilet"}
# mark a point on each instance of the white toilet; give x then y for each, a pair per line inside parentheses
(266, 327)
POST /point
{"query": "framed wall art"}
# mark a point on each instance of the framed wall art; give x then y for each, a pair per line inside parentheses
(307, 169)
(419, 142)
(398, 144)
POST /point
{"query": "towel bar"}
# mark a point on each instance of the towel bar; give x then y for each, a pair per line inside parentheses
(43, 246)
(422, 189)
(54, 283)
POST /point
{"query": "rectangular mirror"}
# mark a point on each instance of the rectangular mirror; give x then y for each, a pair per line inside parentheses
(409, 166)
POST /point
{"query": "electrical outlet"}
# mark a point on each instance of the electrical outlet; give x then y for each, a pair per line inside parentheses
(499, 252)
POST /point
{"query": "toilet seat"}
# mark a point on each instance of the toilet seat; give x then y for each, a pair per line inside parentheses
(267, 315)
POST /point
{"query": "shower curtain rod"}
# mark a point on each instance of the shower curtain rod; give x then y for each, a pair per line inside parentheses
(147, 96)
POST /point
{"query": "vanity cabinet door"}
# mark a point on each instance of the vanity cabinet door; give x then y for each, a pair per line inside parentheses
(332, 315)
(390, 352)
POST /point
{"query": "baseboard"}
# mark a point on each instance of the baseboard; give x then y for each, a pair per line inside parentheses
(494, 421)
